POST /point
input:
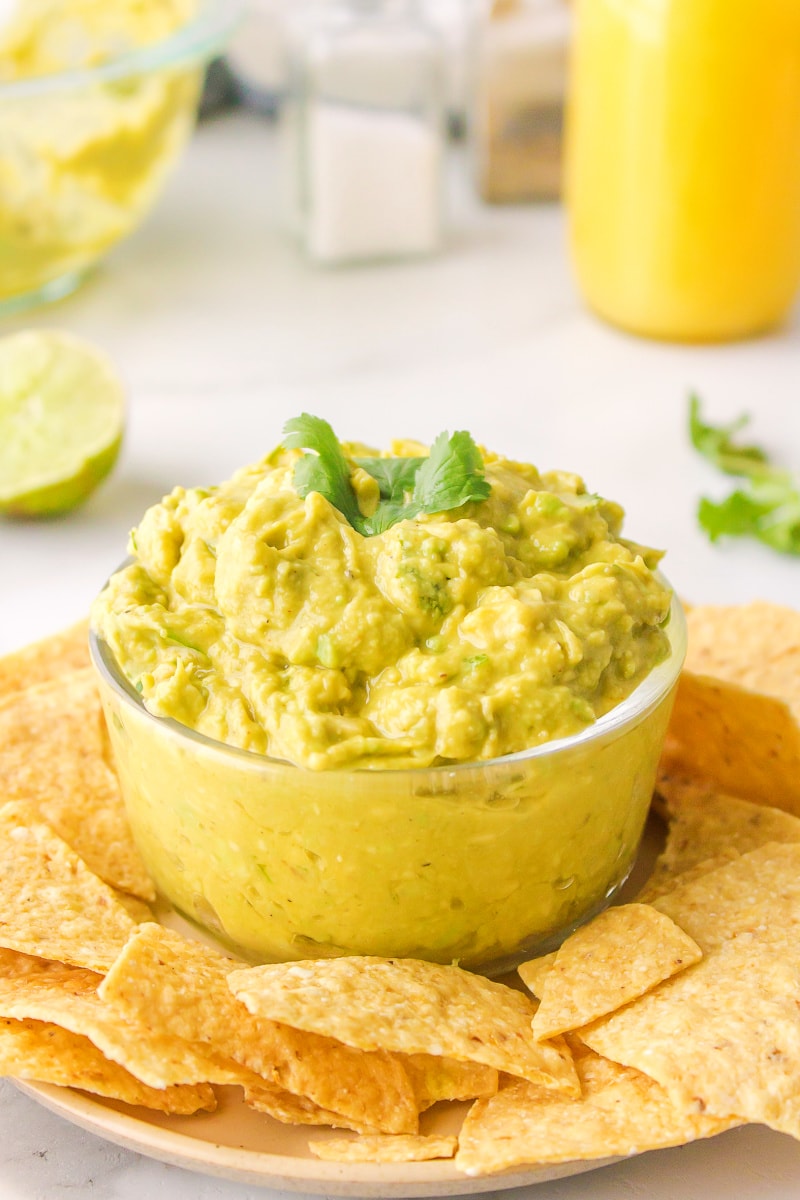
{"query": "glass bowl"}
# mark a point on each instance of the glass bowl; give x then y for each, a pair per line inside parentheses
(84, 153)
(483, 863)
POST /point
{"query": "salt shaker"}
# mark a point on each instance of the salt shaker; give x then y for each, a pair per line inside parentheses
(365, 119)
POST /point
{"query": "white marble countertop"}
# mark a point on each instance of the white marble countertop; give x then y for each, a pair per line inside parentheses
(222, 332)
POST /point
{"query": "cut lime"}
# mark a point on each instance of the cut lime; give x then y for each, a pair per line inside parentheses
(62, 410)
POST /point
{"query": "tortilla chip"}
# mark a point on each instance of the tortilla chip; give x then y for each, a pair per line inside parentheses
(49, 1054)
(410, 1007)
(663, 880)
(53, 748)
(56, 655)
(724, 1036)
(534, 972)
(283, 1106)
(67, 997)
(137, 910)
(586, 980)
(434, 1079)
(746, 743)
(178, 987)
(51, 905)
(621, 1112)
(756, 646)
(708, 828)
(385, 1148)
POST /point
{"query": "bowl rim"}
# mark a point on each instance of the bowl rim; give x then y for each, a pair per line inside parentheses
(195, 42)
(631, 711)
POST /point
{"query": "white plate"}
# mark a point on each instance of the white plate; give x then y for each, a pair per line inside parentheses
(235, 1142)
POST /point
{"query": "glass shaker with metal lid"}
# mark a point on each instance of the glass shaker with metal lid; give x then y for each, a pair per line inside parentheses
(366, 131)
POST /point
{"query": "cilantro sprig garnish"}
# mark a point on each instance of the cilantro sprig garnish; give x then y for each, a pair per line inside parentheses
(767, 508)
(450, 476)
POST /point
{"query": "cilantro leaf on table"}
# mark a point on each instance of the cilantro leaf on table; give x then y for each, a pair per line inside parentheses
(715, 442)
(451, 476)
(767, 508)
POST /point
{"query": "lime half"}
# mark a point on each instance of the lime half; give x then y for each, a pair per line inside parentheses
(62, 411)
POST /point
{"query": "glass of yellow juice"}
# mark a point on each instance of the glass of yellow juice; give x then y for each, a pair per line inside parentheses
(683, 164)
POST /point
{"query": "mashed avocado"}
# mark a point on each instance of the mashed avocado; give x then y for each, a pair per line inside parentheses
(41, 37)
(80, 165)
(266, 621)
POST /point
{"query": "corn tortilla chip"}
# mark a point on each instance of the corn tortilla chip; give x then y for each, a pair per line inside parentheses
(410, 1007)
(175, 986)
(51, 905)
(53, 756)
(663, 880)
(49, 1054)
(67, 997)
(746, 743)
(56, 655)
(723, 1037)
(283, 1106)
(136, 909)
(756, 646)
(534, 972)
(707, 828)
(587, 980)
(434, 1078)
(620, 1112)
(385, 1148)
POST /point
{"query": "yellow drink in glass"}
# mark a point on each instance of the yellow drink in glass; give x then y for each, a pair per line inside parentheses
(683, 164)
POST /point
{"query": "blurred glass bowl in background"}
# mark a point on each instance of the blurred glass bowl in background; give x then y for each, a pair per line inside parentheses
(85, 152)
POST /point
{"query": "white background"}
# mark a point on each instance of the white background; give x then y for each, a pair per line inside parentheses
(221, 332)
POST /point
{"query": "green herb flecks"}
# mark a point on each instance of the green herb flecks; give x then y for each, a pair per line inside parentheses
(767, 508)
(450, 476)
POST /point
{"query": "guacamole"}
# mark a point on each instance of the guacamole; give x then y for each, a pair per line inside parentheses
(79, 165)
(42, 37)
(266, 621)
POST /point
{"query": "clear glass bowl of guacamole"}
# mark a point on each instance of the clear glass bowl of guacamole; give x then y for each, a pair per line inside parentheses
(97, 101)
(485, 863)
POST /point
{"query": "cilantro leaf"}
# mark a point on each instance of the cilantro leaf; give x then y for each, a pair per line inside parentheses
(769, 514)
(325, 470)
(394, 476)
(451, 476)
(715, 442)
(767, 508)
(388, 513)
